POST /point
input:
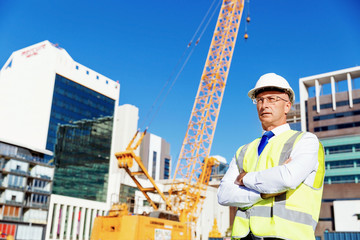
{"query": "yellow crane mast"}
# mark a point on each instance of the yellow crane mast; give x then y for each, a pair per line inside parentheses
(192, 174)
(190, 180)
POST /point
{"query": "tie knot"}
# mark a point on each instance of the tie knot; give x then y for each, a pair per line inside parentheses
(269, 134)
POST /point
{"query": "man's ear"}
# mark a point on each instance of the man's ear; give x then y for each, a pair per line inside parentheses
(287, 107)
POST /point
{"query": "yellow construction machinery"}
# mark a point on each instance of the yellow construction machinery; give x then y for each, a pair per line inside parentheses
(188, 189)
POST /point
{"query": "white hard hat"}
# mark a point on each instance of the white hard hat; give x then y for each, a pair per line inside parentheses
(272, 81)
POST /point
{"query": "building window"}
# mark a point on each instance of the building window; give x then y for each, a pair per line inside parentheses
(342, 179)
(97, 77)
(8, 229)
(154, 165)
(338, 104)
(11, 211)
(15, 181)
(343, 164)
(107, 82)
(336, 127)
(342, 149)
(336, 115)
(39, 199)
(167, 168)
(77, 67)
(87, 72)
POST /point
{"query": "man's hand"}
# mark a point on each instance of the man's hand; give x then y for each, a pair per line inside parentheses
(239, 179)
(287, 161)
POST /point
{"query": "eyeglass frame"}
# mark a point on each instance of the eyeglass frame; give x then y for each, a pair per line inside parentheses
(276, 99)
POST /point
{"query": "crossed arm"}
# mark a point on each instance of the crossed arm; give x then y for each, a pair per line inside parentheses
(241, 189)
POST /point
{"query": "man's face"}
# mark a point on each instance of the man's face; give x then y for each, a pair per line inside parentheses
(272, 107)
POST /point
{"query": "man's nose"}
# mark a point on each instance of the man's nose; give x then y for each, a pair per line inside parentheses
(265, 103)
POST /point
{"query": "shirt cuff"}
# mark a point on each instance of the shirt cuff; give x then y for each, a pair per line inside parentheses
(254, 197)
(248, 180)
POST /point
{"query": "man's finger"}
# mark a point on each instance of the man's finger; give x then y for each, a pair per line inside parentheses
(287, 160)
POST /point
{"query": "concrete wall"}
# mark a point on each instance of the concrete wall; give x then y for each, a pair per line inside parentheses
(124, 128)
(346, 216)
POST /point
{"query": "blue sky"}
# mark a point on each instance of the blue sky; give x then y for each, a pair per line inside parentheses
(139, 43)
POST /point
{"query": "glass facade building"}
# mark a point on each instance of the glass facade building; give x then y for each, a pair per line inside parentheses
(80, 132)
(72, 102)
(82, 155)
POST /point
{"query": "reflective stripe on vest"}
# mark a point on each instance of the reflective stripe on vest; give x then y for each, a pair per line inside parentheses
(240, 157)
(275, 208)
(281, 211)
(288, 147)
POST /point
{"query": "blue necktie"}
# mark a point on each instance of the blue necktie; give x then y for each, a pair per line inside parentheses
(264, 140)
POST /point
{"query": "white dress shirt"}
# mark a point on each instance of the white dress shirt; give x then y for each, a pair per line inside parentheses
(301, 168)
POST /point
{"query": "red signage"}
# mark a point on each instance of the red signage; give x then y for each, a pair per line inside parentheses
(33, 51)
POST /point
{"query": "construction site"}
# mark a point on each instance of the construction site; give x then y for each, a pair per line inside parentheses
(85, 156)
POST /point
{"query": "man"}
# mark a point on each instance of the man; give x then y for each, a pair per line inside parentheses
(275, 182)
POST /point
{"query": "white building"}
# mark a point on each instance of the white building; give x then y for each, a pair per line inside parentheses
(42, 88)
(155, 154)
(27, 83)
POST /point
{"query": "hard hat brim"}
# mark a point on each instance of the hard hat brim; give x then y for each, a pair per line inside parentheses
(255, 91)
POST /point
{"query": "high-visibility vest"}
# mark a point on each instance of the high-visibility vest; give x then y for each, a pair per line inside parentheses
(292, 215)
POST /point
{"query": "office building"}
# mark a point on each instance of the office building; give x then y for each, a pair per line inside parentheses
(43, 92)
(330, 108)
(155, 154)
(334, 116)
(54, 104)
(293, 117)
(71, 217)
(218, 171)
(26, 183)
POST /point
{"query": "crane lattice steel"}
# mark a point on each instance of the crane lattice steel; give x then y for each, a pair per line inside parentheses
(194, 166)
(191, 178)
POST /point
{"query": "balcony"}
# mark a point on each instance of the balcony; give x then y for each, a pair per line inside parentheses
(39, 190)
(15, 219)
(15, 172)
(13, 203)
(28, 158)
(16, 187)
(40, 177)
(44, 206)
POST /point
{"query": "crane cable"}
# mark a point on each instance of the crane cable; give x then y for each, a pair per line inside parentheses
(178, 63)
(184, 64)
(246, 36)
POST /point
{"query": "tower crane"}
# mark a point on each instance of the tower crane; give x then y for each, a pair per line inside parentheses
(192, 174)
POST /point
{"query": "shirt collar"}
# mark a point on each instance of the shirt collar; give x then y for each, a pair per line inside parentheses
(280, 129)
